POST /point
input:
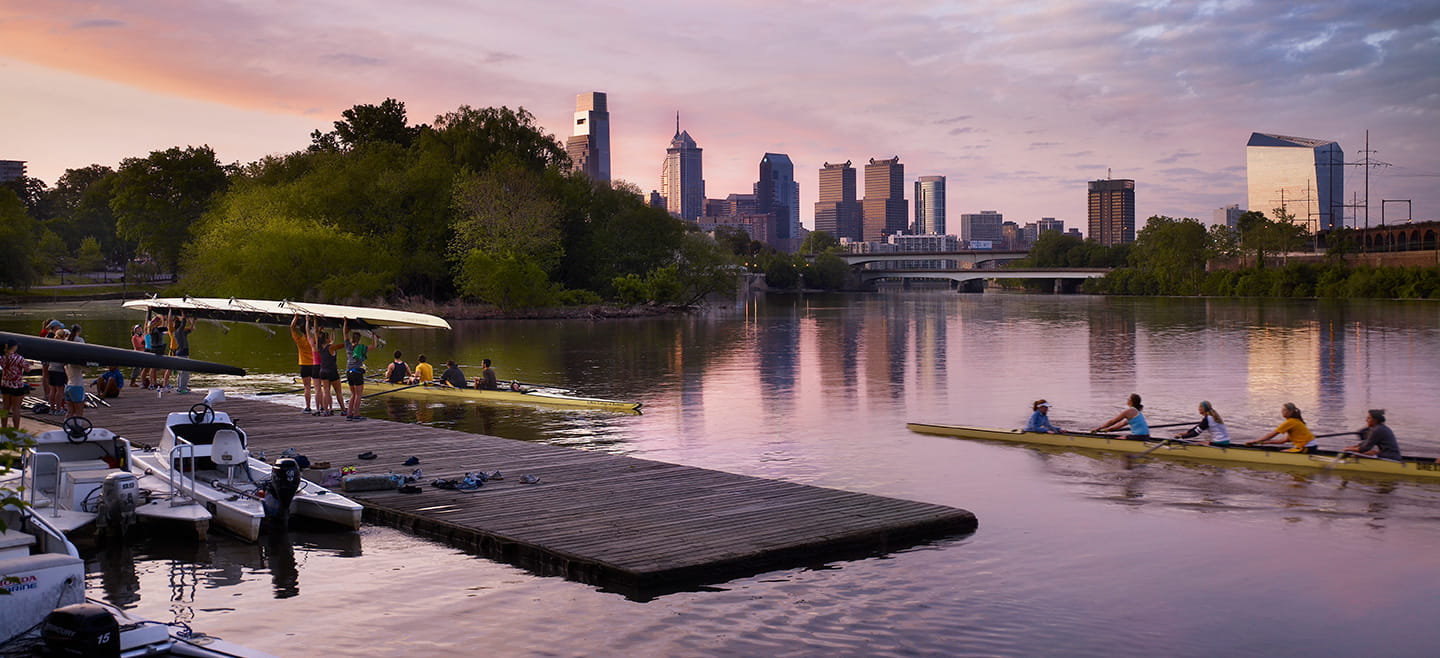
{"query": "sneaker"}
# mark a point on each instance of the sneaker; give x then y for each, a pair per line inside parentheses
(409, 489)
(494, 475)
(530, 479)
(183, 391)
(411, 461)
(307, 410)
(367, 455)
(289, 452)
(469, 483)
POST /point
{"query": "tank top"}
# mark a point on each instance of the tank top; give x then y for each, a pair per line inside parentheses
(399, 372)
(1138, 426)
(327, 360)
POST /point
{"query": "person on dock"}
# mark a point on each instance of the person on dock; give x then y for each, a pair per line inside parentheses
(1210, 421)
(1294, 430)
(357, 351)
(398, 371)
(55, 377)
(137, 342)
(48, 331)
(424, 373)
(110, 382)
(180, 330)
(1131, 418)
(1376, 439)
(1040, 419)
(159, 345)
(13, 388)
(453, 376)
(305, 355)
(329, 396)
(75, 380)
(487, 381)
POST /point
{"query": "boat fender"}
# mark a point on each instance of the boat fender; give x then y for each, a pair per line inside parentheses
(368, 482)
(280, 490)
(119, 496)
(81, 629)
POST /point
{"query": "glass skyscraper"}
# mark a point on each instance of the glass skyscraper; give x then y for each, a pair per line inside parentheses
(1112, 211)
(884, 209)
(930, 205)
(589, 148)
(779, 196)
(1304, 176)
(681, 180)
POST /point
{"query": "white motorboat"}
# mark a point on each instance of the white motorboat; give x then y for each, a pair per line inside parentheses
(78, 478)
(46, 605)
(204, 455)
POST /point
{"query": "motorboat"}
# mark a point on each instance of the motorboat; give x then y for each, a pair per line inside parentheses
(203, 454)
(78, 477)
(45, 604)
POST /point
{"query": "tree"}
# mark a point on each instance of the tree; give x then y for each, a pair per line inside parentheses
(81, 199)
(158, 198)
(507, 280)
(32, 194)
(471, 138)
(819, 242)
(364, 124)
(1173, 252)
(89, 258)
(828, 272)
(505, 211)
(1222, 242)
(17, 231)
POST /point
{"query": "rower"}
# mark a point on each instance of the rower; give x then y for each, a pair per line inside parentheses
(1209, 421)
(453, 376)
(1040, 419)
(1131, 417)
(398, 371)
(1294, 430)
(1376, 439)
(487, 380)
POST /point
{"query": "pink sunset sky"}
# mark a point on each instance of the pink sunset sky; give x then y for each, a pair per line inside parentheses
(1017, 103)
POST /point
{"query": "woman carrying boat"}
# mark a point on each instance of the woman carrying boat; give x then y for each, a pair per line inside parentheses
(1210, 421)
(328, 373)
(1040, 419)
(1376, 439)
(1131, 418)
(358, 351)
(1294, 430)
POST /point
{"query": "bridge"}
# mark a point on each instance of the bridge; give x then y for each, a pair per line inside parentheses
(1067, 279)
(971, 258)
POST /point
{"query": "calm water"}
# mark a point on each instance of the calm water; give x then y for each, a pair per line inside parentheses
(1075, 555)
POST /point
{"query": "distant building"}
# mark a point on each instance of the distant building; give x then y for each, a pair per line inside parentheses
(884, 210)
(682, 181)
(837, 212)
(929, 243)
(1303, 175)
(11, 170)
(657, 201)
(1049, 224)
(779, 195)
(984, 226)
(1075, 233)
(1112, 211)
(1011, 235)
(589, 148)
(930, 205)
(1227, 215)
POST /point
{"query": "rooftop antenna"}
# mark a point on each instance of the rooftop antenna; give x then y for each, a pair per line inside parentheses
(677, 123)
(1107, 173)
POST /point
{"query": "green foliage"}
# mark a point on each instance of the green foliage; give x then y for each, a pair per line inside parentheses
(828, 272)
(50, 252)
(781, 273)
(471, 139)
(579, 298)
(89, 258)
(508, 280)
(12, 443)
(819, 242)
(1172, 253)
(17, 231)
(507, 211)
(703, 268)
(81, 202)
(364, 124)
(735, 240)
(158, 198)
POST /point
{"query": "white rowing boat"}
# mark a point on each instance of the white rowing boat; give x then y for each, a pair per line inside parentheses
(264, 311)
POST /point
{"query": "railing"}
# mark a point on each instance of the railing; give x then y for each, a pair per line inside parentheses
(32, 475)
(180, 494)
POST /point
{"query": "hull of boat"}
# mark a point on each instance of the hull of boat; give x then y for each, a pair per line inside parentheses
(528, 397)
(1424, 468)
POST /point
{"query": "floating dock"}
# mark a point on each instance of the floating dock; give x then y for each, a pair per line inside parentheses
(634, 526)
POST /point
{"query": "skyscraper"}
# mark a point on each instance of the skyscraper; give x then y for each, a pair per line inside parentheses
(884, 209)
(1305, 176)
(984, 226)
(779, 195)
(1112, 211)
(930, 205)
(837, 212)
(11, 170)
(681, 181)
(589, 148)
(1227, 215)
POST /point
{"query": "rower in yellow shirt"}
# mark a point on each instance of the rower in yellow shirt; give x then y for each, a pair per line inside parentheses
(1294, 429)
(424, 374)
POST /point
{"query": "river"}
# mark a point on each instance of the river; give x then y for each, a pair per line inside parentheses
(1075, 554)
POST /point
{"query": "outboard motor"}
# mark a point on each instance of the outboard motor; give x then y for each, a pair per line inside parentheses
(82, 629)
(280, 490)
(119, 496)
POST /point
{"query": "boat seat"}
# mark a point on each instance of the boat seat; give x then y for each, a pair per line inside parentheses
(228, 451)
(14, 543)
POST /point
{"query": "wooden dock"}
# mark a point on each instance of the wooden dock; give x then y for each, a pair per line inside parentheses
(634, 526)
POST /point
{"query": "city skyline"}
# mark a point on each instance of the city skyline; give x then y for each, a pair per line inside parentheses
(1167, 94)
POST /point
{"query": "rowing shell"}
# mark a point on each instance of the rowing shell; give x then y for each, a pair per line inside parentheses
(90, 354)
(1420, 467)
(284, 311)
(527, 396)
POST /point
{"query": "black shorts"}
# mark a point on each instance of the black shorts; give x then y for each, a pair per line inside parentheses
(23, 390)
(328, 375)
(56, 378)
(308, 372)
(355, 377)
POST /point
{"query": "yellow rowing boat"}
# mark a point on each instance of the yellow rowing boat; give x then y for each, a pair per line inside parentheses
(525, 396)
(1421, 467)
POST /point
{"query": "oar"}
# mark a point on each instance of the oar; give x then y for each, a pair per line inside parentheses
(1326, 436)
(1162, 443)
(393, 390)
(1172, 425)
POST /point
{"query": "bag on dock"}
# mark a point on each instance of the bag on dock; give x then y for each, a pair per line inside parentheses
(368, 482)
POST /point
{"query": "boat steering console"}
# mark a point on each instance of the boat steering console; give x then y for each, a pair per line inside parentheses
(202, 413)
(77, 428)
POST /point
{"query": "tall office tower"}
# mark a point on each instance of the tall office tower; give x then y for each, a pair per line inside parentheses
(681, 181)
(984, 226)
(1112, 211)
(1227, 215)
(11, 170)
(837, 212)
(930, 205)
(779, 195)
(884, 210)
(1305, 176)
(589, 148)
(1049, 224)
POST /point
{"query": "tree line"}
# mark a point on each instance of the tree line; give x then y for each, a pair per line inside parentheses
(479, 204)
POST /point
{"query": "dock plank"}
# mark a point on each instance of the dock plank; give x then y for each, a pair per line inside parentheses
(635, 526)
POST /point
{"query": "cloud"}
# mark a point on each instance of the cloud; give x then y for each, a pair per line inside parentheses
(96, 23)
